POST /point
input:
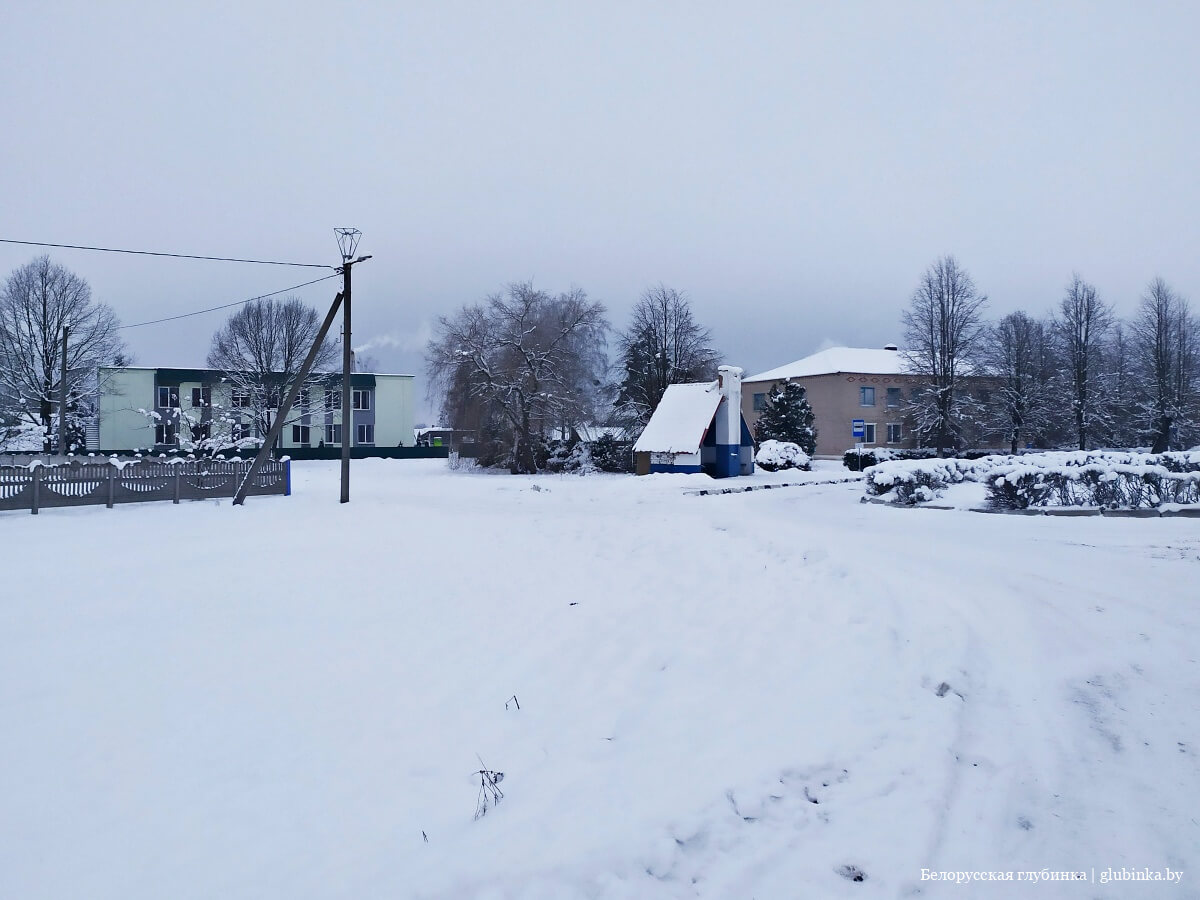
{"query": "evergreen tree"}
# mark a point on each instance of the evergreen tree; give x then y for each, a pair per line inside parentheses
(787, 416)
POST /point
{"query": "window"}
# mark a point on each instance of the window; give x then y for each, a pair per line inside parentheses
(241, 431)
(201, 431)
(164, 433)
(361, 399)
(241, 400)
(366, 434)
(333, 434)
(301, 401)
(893, 397)
(202, 396)
(760, 402)
(869, 433)
(300, 434)
(168, 398)
(333, 400)
(866, 396)
(895, 432)
(273, 400)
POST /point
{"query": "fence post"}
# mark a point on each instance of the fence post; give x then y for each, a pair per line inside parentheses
(287, 478)
(112, 480)
(178, 481)
(37, 484)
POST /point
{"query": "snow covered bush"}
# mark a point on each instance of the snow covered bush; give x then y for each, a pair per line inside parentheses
(776, 455)
(611, 455)
(857, 460)
(565, 456)
(1101, 478)
(912, 481)
(1115, 482)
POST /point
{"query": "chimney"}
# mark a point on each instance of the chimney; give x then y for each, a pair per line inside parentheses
(729, 421)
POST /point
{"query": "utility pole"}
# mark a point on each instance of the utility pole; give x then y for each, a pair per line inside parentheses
(347, 242)
(264, 452)
(62, 396)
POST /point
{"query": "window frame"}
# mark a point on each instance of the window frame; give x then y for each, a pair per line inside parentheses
(302, 435)
(899, 432)
(333, 433)
(241, 431)
(172, 393)
(899, 396)
(760, 402)
(868, 433)
(201, 397)
(365, 433)
(360, 399)
(169, 433)
(239, 399)
(862, 395)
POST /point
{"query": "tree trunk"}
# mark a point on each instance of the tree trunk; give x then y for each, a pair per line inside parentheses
(1162, 435)
(526, 462)
(44, 413)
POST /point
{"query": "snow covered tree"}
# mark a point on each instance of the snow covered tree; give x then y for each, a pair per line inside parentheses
(944, 330)
(787, 416)
(259, 351)
(37, 301)
(663, 345)
(1015, 353)
(1081, 325)
(1167, 360)
(519, 365)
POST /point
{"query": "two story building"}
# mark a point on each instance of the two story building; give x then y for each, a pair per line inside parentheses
(161, 409)
(843, 384)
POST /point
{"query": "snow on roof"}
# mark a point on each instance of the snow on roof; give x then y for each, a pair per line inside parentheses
(682, 417)
(840, 359)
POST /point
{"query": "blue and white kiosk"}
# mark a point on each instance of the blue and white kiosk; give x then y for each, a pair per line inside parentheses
(698, 428)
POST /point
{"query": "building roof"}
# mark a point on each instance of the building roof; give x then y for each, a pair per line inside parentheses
(862, 360)
(205, 374)
(589, 432)
(682, 418)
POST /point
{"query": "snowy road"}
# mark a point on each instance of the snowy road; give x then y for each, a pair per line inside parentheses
(755, 695)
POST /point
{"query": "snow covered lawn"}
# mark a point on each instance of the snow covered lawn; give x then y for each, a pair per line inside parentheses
(753, 695)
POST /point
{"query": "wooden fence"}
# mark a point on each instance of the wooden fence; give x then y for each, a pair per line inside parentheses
(88, 484)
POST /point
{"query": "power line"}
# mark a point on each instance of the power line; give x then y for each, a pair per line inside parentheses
(199, 312)
(261, 262)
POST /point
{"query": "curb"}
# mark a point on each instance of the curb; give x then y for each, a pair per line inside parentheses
(1059, 511)
(708, 492)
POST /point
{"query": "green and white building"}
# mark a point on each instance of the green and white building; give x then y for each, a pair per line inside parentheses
(165, 409)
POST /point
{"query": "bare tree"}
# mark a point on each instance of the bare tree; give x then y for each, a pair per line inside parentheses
(944, 330)
(1081, 326)
(1166, 356)
(663, 345)
(259, 351)
(38, 300)
(1015, 354)
(1120, 389)
(531, 360)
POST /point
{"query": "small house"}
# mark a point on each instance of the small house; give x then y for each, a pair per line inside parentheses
(698, 428)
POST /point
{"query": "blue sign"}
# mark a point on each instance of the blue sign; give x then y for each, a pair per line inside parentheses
(859, 426)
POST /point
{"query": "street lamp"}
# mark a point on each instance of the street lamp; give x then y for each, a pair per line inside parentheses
(347, 239)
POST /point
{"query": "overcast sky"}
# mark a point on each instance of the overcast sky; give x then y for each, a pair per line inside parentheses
(793, 167)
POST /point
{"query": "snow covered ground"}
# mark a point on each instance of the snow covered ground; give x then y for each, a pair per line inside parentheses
(752, 695)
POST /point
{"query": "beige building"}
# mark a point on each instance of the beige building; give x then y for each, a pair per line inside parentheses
(844, 384)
